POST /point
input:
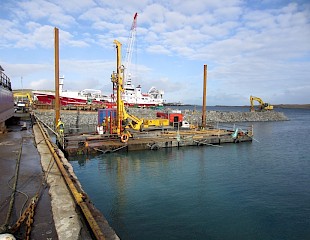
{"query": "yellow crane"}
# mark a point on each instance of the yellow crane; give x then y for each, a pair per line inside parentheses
(124, 120)
(262, 107)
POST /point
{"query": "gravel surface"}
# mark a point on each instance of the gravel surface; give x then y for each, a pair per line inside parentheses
(80, 118)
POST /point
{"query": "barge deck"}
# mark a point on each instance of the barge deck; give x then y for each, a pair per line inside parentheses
(84, 144)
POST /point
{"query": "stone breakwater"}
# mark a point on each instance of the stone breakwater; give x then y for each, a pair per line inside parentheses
(81, 118)
(234, 117)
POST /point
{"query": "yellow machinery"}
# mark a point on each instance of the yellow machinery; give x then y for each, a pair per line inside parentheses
(23, 96)
(262, 107)
(155, 122)
(23, 101)
(125, 120)
(122, 117)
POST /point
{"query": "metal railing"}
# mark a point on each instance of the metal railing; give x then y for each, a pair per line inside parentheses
(79, 197)
(5, 81)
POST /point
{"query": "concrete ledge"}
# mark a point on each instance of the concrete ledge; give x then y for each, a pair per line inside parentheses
(67, 222)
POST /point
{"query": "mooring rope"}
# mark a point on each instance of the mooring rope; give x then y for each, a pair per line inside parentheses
(4, 227)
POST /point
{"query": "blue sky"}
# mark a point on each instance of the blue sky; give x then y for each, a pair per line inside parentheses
(259, 48)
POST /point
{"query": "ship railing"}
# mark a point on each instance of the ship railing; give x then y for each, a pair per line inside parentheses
(5, 81)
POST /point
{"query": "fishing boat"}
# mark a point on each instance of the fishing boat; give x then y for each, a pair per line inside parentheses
(6, 99)
(134, 97)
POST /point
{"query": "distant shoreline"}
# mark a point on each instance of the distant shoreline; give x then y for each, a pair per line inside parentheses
(303, 106)
(296, 106)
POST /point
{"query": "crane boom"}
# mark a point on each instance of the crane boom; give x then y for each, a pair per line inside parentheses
(129, 51)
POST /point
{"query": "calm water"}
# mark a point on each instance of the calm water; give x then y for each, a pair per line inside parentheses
(258, 190)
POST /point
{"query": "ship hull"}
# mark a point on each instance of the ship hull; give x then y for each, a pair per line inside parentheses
(7, 104)
(6, 100)
(49, 98)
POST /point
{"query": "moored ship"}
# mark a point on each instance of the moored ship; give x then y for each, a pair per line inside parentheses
(6, 99)
(134, 97)
(86, 96)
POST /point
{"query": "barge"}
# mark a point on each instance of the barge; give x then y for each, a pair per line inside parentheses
(90, 144)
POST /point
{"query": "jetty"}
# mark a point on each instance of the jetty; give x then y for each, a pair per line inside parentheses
(41, 197)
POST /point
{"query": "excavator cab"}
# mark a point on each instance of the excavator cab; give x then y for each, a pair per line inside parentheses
(267, 106)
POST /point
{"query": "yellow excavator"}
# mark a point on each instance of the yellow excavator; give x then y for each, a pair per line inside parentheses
(262, 105)
(22, 101)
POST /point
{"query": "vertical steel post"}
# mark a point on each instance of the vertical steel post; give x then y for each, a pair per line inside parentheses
(204, 99)
(119, 82)
(57, 99)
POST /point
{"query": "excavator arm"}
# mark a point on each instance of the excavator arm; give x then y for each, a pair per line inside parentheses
(132, 121)
(259, 100)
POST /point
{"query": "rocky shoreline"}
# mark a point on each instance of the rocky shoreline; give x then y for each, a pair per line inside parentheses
(80, 118)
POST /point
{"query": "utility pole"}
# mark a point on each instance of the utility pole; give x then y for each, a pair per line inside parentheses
(57, 100)
(21, 83)
(204, 99)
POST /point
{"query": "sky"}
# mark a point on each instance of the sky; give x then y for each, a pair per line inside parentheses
(259, 48)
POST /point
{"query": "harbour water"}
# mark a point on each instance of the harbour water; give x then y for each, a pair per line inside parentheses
(257, 190)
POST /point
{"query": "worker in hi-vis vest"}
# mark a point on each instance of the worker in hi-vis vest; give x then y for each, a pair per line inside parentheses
(60, 127)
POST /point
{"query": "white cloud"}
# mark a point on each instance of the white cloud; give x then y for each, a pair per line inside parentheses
(17, 70)
(97, 14)
(246, 46)
(154, 13)
(42, 84)
(45, 10)
(9, 33)
(158, 49)
(75, 5)
(67, 38)
(194, 7)
(41, 35)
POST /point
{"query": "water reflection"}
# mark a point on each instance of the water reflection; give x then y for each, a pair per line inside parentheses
(239, 191)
